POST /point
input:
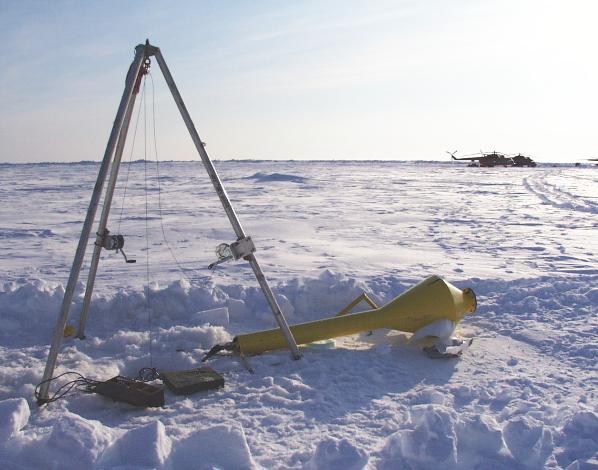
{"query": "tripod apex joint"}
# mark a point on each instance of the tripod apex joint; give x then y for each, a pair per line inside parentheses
(147, 48)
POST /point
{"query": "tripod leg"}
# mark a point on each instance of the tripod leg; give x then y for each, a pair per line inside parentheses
(278, 316)
(226, 204)
(97, 249)
(89, 218)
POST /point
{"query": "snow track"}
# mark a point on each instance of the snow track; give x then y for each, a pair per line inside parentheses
(554, 194)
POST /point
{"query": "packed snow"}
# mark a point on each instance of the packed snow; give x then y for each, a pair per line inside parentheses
(523, 396)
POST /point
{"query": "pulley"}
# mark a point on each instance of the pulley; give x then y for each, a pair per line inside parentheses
(242, 248)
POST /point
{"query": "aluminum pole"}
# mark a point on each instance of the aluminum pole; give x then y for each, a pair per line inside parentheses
(279, 317)
(89, 218)
(97, 249)
(228, 208)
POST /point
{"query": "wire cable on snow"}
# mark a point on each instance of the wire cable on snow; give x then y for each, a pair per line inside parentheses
(148, 374)
(81, 383)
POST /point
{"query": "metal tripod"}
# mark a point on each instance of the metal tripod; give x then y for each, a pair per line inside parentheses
(242, 248)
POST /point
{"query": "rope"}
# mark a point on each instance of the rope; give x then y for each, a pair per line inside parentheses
(179, 265)
(122, 206)
(147, 256)
(143, 104)
(171, 251)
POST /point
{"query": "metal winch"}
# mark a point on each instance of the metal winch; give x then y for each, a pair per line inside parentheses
(114, 243)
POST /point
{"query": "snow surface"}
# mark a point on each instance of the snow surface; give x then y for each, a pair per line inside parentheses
(524, 395)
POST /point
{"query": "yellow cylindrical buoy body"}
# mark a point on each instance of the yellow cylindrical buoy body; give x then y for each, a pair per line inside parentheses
(430, 300)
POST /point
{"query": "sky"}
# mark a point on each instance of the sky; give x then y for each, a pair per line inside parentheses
(398, 80)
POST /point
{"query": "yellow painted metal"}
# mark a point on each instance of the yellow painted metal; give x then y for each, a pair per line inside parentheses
(430, 300)
(69, 330)
(362, 297)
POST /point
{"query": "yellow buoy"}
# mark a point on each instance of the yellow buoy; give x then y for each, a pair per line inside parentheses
(430, 300)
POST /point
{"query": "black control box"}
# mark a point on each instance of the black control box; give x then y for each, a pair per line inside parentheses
(186, 382)
(130, 391)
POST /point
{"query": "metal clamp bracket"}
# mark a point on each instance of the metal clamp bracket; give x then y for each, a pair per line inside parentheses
(242, 248)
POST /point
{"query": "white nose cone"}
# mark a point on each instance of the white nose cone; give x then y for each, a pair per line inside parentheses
(442, 328)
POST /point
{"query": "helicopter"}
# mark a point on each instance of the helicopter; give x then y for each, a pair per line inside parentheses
(522, 160)
(489, 160)
(579, 164)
